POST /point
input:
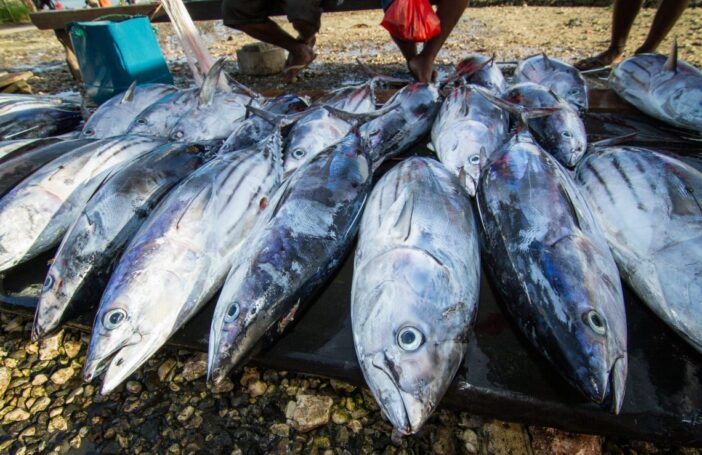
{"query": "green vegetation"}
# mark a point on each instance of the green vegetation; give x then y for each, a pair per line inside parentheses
(13, 12)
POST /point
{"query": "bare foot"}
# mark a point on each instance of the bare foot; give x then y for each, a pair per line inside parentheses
(608, 57)
(422, 68)
(299, 59)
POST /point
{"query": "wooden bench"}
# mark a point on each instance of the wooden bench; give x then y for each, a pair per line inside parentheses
(205, 10)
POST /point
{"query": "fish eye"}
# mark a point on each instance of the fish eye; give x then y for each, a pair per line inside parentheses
(232, 312)
(49, 282)
(298, 154)
(88, 132)
(114, 318)
(475, 159)
(595, 321)
(574, 91)
(141, 121)
(567, 134)
(374, 132)
(178, 135)
(410, 338)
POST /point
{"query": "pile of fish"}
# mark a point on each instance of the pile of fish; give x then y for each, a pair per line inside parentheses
(168, 196)
(35, 117)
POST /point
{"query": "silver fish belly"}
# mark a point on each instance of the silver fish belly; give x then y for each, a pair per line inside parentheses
(415, 290)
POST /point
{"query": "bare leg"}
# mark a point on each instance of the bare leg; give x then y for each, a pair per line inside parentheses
(408, 48)
(307, 31)
(623, 16)
(668, 13)
(302, 54)
(422, 65)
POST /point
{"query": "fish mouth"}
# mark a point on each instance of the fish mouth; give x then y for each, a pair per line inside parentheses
(127, 360)
(95, 364)
(617, 383)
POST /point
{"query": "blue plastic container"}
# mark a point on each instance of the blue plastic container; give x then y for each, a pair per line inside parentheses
(112, 55)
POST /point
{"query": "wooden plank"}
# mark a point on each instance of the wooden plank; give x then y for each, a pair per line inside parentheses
(11, 78)
(199, 11)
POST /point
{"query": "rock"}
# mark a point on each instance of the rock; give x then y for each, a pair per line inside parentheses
(75, 441)
(311, 411)
(290, 409)
(506, 438)
(280, 429)
(62, 376)
(58, 423)
(72, 348)
(195, 422)
(185, 414)
(39, 405)
(249, 375)
(224, 386)
(355, 426)
(50, 347)
(28, 432)
(133, 387)
(37, 391)
(443, 443)
(195, 368)
(56, 411)
(5, 378)
(165, 368)
(123, 441)
(40, 379)
(552, 441)
(16, 415)
(78, 391)
(174, 449)
(31, 348)
(257, 388)
(470, 440)
(340, 417)
(340, 385)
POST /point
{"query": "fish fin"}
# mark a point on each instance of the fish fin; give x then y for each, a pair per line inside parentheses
(399, 216)
(359, 118)
(277, 120)
(519, 111)
(483, 157)
(367, 69)
(209, 85)
(129, 94)
(613, 141)
(431, 147)
(467, 71)
(671, 64)
(243, 88)
(547, 61)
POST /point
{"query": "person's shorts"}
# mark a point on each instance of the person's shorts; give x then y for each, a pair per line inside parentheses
(238, 12)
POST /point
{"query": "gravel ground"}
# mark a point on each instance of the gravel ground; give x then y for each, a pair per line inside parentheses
(167, 407)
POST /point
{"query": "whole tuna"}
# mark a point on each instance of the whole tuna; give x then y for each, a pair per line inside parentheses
(110, 219)
(554, 269)
(179, 258)
(565, 80)
(480, 70)
(21, 163)
(415, 291)
(667, 89)
(467, 130)
(36, 214)
(114, 116)
(294, 249)
(648, 205)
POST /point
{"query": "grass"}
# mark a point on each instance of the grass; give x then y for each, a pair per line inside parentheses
(13, 12)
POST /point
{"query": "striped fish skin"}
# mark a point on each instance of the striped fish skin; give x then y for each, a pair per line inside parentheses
(562, 133)
(298, 244)
(114, 116)
(15, 105)
(415, 288)
(23, 163)
(648, 205)
(179, 258)
(38, 122)
(11, 148)
(488, 75)
(46, 203)
(110, 219)
(397, 130)
(554, 269)
(565, 80)
(320, 129)
(673, 96)
(250, 131)
(467, 130)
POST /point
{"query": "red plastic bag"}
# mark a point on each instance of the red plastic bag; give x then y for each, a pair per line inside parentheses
(411, 20)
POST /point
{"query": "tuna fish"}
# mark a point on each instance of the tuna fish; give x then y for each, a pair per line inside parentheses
(179, 258)
(480, 70)
(648, 205)
(562, 133)
(40, 121)
(467, 130)
(294, 249)
(563, 79)
(552, 265)
(667, 89)
(110, 219)
(20, 164)
(36, 214)
(114, 116)
(415, 288)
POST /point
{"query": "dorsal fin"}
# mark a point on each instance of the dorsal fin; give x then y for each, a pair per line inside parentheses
(358, 118)
(129, 94)
(209, 85)
(672, 63)
(612, 141)
(547, 61)
(398, 218)
(277, 120)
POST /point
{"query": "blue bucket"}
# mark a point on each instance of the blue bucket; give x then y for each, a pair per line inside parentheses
(112, 55)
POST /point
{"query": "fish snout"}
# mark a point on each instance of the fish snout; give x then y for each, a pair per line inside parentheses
(617, 383)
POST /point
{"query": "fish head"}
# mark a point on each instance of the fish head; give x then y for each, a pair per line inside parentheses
(310, 136)
(53, 300)
(409, 334)
(213, 121)
(590, 324)
(287, 104)
(463, 151)
(563, 135)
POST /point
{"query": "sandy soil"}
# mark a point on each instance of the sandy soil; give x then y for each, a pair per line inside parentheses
(508, 32)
